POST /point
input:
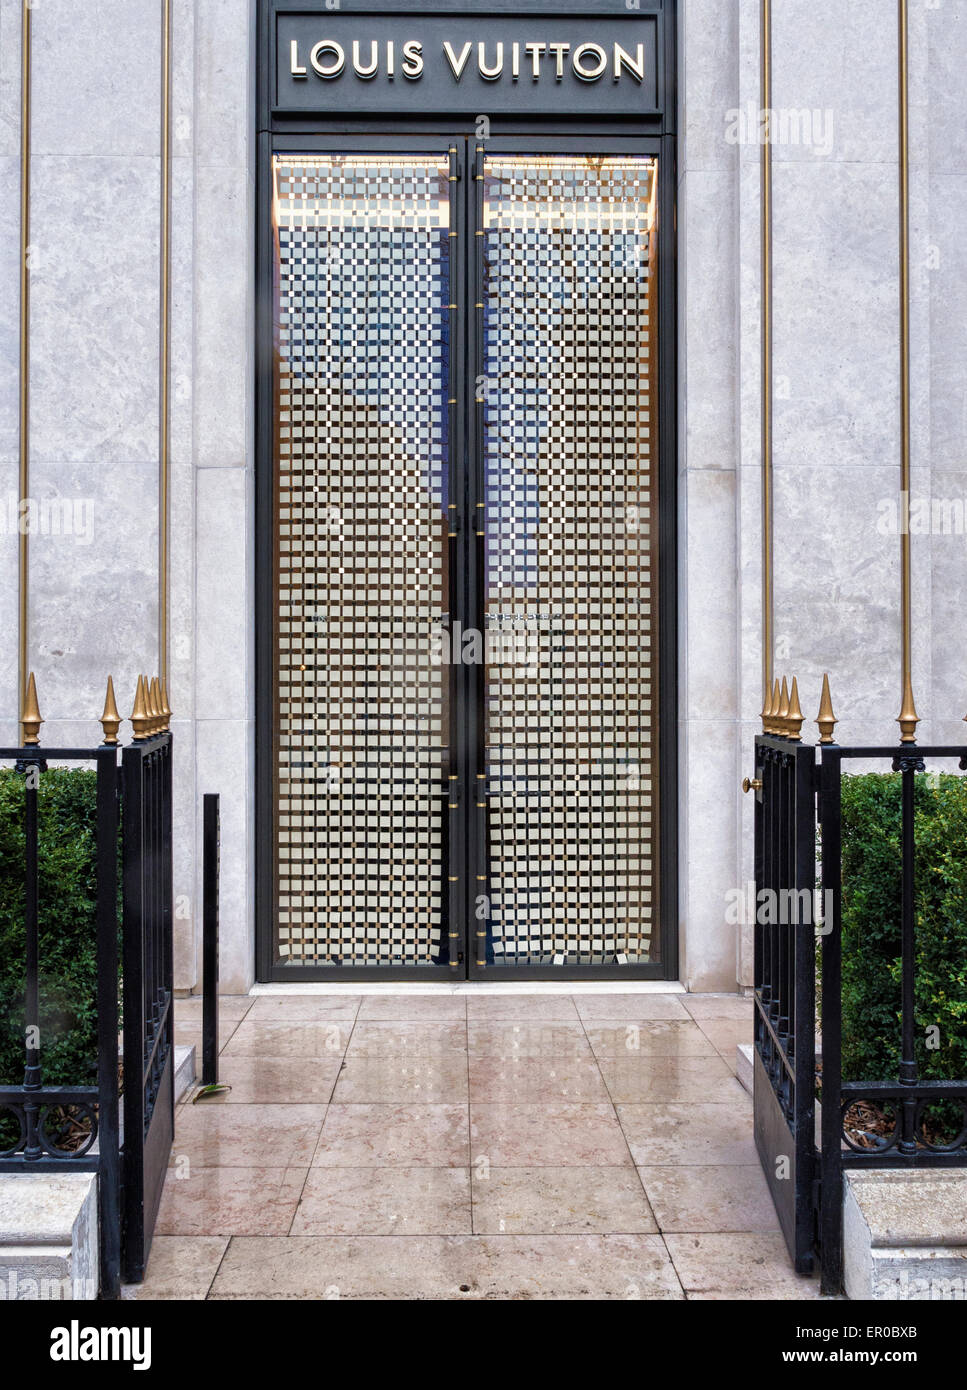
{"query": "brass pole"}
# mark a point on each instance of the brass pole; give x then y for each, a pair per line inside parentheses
(165, 336)
(23, 561)
(908, 718)
(768, 597)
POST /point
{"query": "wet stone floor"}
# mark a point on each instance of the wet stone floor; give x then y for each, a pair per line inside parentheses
(461, 1146)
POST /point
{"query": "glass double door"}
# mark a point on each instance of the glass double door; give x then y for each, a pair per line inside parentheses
(465, 560)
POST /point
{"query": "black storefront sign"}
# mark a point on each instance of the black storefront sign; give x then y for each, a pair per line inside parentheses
(366, 64)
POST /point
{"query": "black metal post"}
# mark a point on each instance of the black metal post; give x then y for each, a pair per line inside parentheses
(109, 1172)
(167, 906)
(831, 1195)
(768, 873)
(908, 766)
(777, 1001)
(758, 873)
(801, 1046)
(210, 862)
(32, 1069)
(135, 1012)
(152, 867)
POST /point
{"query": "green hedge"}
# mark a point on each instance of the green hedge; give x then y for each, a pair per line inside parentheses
(68, 963)
(871, 925)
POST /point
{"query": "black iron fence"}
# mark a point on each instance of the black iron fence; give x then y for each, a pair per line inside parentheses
(785, 987)
(149, 1064)
(132, 822)
(37, 1110)
(798, 936)
(905, 1101)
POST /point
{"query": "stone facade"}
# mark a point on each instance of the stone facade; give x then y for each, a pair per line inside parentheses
(95, 189)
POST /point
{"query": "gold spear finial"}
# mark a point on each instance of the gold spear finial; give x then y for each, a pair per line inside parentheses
(30, 719)
(908, 719)
(769, 722)
(154, 698)
(110, 720)
(151, 699)
(826, 720)
(139, 715)
(782, 714)
(795, 713)
(165, 706)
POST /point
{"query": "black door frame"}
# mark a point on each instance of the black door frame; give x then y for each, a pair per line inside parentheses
(420, 133)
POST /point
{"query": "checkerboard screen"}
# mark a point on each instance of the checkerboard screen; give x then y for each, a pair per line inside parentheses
(361, 453)
(569, 439)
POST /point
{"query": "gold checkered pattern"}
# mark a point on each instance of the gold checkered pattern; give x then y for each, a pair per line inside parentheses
(570, 456)
(361, 557)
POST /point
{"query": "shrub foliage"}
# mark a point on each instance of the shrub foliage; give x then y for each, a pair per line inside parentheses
(68, 944)
(871, 926)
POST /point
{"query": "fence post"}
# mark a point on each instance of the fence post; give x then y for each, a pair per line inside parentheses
(831, 1194)
(135, 1020)
(802, 1024)
(210, 864)
(908, 764)
(109, 1171)
(33, 1149)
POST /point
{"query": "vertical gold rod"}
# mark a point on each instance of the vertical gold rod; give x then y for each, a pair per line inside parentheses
(768, 598)
(906, 674)
(24, 422)
(165, 336)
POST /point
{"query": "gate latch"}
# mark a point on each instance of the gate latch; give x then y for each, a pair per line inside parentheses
(752, 784)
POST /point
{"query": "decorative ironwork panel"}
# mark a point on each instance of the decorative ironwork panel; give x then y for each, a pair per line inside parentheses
(570, 562)
(362, 377)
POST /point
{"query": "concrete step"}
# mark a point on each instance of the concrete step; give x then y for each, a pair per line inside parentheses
(184, 1069)
(905, 1234)
(48, 1236)
(745, 1064)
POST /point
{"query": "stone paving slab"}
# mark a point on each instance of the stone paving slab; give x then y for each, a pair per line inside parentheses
(471, 1146)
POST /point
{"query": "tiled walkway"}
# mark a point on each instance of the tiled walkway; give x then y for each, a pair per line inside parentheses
(504, 1147)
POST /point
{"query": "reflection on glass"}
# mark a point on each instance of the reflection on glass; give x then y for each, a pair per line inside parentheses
(570, 338)
(362, 366)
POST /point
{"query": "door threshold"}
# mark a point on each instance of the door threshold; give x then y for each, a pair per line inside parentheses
(431, 987)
